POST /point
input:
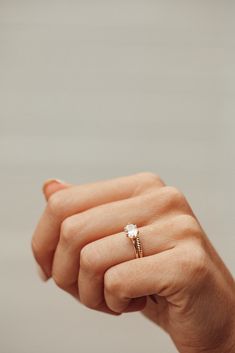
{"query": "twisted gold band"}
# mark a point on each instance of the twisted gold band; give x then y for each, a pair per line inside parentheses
(138, 247)
(132, 232)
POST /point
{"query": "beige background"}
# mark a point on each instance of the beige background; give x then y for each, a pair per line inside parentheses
(95, 89)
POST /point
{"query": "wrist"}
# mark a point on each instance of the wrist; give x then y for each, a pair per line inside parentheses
(225, 343)
(219, 337)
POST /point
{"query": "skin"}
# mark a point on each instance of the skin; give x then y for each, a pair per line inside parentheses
(181, 283)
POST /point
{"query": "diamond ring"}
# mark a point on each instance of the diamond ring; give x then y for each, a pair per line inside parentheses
(132, 233)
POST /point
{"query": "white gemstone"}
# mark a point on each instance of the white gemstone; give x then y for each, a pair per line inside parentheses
(131, 230)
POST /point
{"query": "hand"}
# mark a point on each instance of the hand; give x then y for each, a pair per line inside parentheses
(80, 243)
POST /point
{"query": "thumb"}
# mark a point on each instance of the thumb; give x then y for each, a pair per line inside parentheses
(51, 186)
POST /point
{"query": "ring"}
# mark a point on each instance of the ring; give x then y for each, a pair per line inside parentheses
(132, 233)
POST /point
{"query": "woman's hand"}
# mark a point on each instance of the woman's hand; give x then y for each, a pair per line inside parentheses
(80, 243)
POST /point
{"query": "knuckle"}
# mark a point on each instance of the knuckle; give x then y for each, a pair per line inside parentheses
(90, 259)
(174, 196)
(146, 181)
(149, 177)
(58, 280)
(68, 231)
(199, 261)
(112, 283)
(195, 261)
(187, 225)
(91, 304)
(55, 205)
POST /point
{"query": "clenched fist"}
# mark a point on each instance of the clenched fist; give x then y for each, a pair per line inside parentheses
(180, 283)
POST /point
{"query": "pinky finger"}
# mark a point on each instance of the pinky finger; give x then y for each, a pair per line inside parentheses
(126, 285)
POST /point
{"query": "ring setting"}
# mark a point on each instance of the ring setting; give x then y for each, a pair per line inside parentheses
(132, 232)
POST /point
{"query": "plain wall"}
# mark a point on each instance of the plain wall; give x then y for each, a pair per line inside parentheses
(92, 90)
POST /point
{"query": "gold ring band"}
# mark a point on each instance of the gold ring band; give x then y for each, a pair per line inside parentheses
(132, 232)
(138, 247)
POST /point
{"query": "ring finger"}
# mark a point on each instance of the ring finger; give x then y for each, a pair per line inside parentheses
(97, 257)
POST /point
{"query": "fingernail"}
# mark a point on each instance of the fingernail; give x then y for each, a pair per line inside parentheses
(50, 181)
(42, 274)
